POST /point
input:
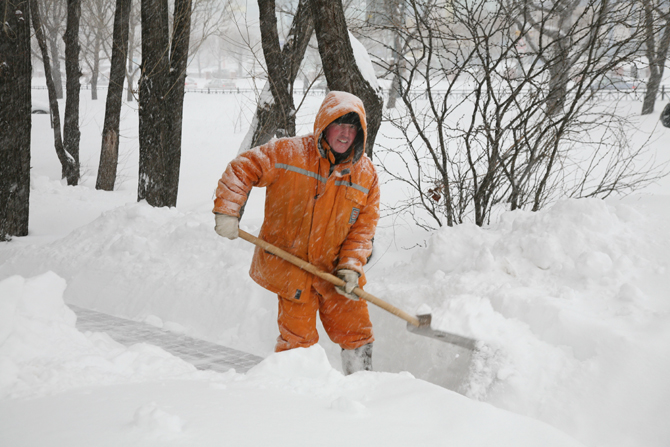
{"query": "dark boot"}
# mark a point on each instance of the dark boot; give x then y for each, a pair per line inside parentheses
(359, 359)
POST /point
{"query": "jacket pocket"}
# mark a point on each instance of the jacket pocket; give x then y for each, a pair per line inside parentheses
(355, 194)
(279, 276)
(356, 200)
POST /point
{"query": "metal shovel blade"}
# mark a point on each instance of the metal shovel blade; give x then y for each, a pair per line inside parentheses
(424, 329)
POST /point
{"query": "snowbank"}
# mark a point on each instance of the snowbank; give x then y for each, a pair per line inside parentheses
(570, 306)
(42, 352)
(137, 261)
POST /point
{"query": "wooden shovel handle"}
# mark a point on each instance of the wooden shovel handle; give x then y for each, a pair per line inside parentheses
(328, 277)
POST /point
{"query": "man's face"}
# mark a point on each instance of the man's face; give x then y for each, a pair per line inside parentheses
(340, 137)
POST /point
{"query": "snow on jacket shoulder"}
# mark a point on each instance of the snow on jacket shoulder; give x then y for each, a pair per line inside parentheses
(328, 219)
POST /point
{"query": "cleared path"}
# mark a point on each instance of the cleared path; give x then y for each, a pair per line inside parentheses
(202, 354)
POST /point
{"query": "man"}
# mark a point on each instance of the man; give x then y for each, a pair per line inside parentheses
(321, 205)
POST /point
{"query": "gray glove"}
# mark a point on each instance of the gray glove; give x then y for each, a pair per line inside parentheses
(227, 226)
(351, 279)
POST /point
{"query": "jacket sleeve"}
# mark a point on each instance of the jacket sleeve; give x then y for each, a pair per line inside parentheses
(357, 247)
(254, 167)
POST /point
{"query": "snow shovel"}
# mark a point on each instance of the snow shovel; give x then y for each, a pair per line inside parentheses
(418, 325)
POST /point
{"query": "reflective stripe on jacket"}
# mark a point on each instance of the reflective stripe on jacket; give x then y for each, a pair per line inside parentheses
(328, 219)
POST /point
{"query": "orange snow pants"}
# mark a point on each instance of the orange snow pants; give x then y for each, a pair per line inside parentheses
(347, 322)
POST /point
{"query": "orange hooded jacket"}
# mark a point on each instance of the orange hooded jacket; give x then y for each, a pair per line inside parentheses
(328, 219)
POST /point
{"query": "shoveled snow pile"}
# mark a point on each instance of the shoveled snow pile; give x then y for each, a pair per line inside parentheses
(570, 305)
(85, 389)
(139, 261)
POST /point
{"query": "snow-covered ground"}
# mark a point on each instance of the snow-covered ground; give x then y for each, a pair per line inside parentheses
(571, 306)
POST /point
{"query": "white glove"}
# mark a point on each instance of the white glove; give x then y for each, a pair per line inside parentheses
(351, 279)
(227, 226)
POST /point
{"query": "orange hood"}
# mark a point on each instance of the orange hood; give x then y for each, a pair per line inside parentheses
(335, 105)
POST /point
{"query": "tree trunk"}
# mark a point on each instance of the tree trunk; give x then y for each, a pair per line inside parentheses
(339, 64)
(394, 92)
(652, 88)
(161, 100)
(269, 112)
(71, 133)
(560, 46)
(96, 68)
(177, 75)
(558, 81)
(55, 58)
(560, 62)
(153, 114)
(656, 55)
(51, 88)
(131, 70)
(15, 119)
(109, 153)
(397, 14)
(53, 18)
(277, 79)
